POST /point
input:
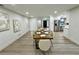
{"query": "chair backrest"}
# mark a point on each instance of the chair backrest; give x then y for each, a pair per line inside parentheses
(44, 45)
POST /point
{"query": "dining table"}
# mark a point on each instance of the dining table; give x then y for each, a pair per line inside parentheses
(42, 35)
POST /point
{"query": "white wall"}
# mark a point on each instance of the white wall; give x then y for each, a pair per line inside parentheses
(74, 25)
(66, 28)
(8, 37)
(33, 24)
(73, 33)
(51, 23)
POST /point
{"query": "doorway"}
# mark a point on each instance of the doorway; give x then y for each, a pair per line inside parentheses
(59, 25)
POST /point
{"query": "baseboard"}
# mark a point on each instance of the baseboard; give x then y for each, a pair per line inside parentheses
(71, 40)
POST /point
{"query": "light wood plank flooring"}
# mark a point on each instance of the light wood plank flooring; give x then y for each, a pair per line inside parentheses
(25, 46)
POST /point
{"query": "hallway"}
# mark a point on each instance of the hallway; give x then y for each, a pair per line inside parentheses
(24, 46)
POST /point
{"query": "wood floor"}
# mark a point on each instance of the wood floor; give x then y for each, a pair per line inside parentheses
(25, 46)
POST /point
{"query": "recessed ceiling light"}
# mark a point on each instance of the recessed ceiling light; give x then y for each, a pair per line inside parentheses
(55, 11)
(27, 13)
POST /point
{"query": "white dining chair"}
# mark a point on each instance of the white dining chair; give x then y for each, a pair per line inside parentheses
(44, 45)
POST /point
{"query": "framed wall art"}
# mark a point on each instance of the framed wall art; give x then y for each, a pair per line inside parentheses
(16, 25)
(4, 22)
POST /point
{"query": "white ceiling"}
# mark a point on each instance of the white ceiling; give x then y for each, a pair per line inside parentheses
(38, 10)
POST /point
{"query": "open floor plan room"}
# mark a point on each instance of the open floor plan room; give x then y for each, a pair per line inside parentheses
(39, 29)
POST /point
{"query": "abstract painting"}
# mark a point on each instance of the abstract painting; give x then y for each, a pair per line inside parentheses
(4, 22)
(16, 25)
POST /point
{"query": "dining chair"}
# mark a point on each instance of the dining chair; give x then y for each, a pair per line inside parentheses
(44, 45)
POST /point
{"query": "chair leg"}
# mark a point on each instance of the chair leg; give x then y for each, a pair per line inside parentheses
(36, 44)
(51, 43)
